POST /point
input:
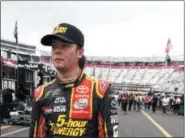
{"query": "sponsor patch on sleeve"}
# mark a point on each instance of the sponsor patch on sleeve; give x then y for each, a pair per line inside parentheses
(102, 87)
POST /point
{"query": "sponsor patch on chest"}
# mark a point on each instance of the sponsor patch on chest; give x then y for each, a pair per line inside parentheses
(61, 109)
(47, 109)
(81, 101)
(60, 100)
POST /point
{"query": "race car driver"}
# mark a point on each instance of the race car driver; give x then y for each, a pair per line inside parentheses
(73, 104)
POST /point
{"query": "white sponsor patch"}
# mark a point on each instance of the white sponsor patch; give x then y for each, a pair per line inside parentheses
(114, 119)
(112, 95)
(48, 111)
(55, 92)
(113, 111)
(58, 109)
(60, 100)
(69, 85)
(115, 131)
(113, 103)
(81, 103)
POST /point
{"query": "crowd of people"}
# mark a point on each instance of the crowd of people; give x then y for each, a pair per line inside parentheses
(162, 102)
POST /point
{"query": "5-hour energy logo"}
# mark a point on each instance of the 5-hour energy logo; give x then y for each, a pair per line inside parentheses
(68, 127)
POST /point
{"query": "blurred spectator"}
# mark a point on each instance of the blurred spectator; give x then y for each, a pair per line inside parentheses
(165, 102)
(130, 101)
(124, 103)
(149, 102)
(154, 103)
(138, 102)
(135, 101)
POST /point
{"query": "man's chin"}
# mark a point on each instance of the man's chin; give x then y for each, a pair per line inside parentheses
(60, 68)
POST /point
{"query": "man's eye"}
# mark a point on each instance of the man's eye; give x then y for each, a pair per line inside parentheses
(66, 45)
(53, 47)
(62, 46)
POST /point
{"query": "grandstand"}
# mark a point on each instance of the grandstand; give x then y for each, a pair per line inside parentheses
(154, 74)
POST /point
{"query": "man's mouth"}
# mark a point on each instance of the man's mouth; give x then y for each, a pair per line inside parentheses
(59, 59)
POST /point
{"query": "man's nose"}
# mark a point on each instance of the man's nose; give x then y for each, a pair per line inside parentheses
(58, 50)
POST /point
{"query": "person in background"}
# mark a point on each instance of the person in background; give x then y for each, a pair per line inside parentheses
(154, 103)
(178, 102)
(119, 99)
(149, 102)
(171, 103)
(138, 102)
(135, 101)
(175, 105)
(124, 103)
(130, 101)
(145, 101)
(165, 102)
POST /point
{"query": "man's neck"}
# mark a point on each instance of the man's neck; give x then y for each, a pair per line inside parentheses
(69, 75)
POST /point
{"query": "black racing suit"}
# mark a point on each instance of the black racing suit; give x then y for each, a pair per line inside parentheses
(84, 108)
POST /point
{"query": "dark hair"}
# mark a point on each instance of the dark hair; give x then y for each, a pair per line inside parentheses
(82, 62)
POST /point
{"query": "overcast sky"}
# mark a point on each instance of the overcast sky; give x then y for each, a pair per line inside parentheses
(119, 28)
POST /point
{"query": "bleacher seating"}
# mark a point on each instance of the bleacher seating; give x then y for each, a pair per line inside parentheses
(161, 77)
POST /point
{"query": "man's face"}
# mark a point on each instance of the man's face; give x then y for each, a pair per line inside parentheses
(65, 56)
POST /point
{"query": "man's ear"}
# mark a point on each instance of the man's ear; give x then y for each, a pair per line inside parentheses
(80, 53)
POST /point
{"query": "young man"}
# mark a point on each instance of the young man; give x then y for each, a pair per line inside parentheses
(73, 104)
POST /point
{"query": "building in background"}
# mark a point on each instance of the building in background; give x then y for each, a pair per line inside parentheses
(22, 71)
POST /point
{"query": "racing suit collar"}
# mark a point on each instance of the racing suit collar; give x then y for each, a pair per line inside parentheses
(68, 84)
